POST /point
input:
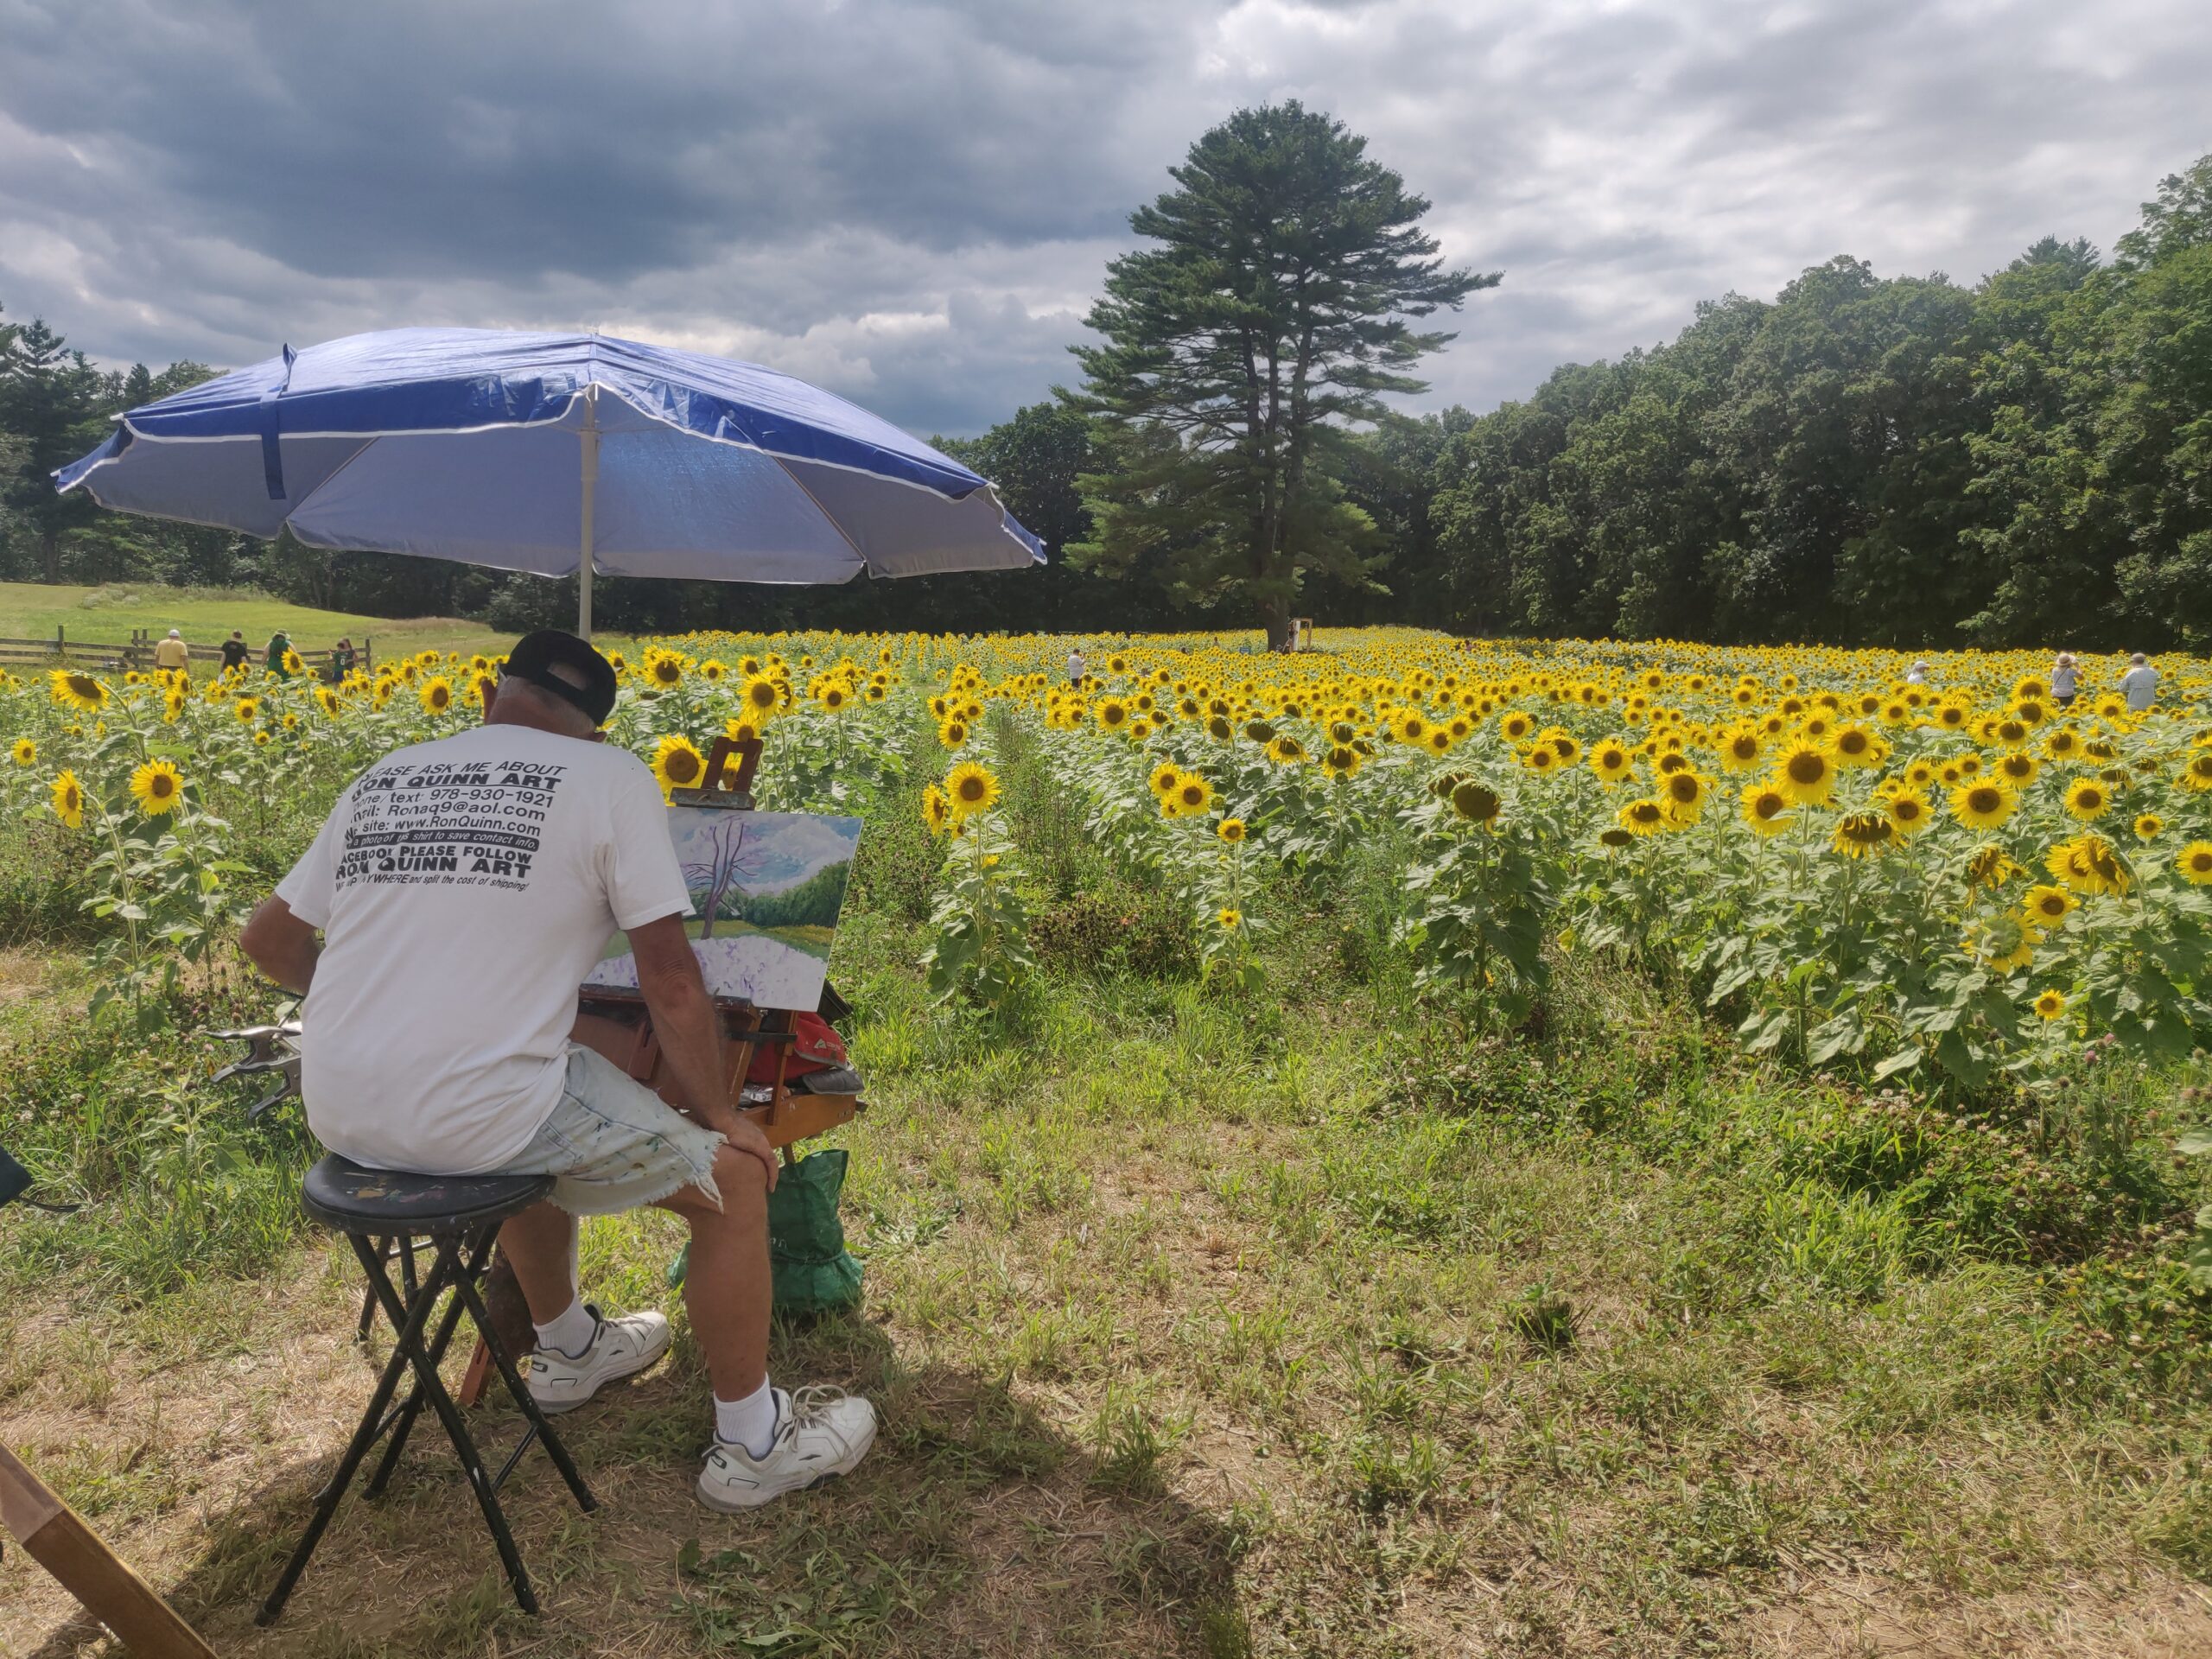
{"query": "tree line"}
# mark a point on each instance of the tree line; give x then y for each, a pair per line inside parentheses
(1897, 461)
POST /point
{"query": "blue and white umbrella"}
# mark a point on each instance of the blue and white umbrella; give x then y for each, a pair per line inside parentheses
(560, 455)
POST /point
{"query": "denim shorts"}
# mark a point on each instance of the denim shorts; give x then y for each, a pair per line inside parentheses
(613, 1144)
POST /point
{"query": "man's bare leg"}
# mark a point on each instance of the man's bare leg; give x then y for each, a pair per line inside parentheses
(727, 1288)
(540, 1245)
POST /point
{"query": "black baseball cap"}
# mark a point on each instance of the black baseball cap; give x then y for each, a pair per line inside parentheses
(537, 655)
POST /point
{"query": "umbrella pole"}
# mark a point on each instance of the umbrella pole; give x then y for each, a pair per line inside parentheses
(590, 437)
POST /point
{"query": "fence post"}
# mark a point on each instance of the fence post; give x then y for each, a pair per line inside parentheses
(368, 654)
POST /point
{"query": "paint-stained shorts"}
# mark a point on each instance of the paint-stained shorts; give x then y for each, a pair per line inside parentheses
(611, 1144)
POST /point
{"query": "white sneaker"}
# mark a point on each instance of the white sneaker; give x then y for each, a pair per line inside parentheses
(619, 1348)
(820, 1432)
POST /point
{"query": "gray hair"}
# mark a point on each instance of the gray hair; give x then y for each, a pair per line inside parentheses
(546, 711)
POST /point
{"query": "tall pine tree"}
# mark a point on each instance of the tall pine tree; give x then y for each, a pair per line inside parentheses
(1241, 352)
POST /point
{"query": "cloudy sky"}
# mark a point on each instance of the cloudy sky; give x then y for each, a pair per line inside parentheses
(913, 203)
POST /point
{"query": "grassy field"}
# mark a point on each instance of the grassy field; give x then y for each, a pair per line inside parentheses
(1307, 1325)
(106, 615)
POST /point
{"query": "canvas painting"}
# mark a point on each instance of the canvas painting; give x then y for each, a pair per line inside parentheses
(767, 887)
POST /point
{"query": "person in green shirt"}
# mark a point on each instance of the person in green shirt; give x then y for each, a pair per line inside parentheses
(280, 647)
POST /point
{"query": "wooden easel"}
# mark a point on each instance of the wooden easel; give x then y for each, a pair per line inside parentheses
(618, 1025)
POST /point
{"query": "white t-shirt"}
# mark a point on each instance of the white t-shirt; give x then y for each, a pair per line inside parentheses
(2063, 680)
(464, 888)
(2140, 684)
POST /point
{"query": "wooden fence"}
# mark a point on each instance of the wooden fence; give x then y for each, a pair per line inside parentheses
(137, 652)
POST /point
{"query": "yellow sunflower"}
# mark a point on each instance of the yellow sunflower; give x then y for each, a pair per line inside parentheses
(2195, 863)
(1230, 830)
(1910, 812)
(1611, 761)
(25, 751)
(1193, 795)
(2050, 1005)
(1858, 833)
(157, 788)
(75, 690)
(1476, 803)
(2088, 863)
(1684, 793)
(1805, 774)
(678, 763)
(937, 808)
(1984, 805)
(69, 799)
(2088, 799)
(971, 789)
(2047, 907)
(1643, 817)
(436, 693)
(1766, 809)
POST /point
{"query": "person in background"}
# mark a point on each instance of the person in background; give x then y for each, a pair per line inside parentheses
(1917, 675)
(2065, 680)
(280, 645)
(341, 660)
(173, 652)
(1075, 667)
(2139, 685)
(235, 650)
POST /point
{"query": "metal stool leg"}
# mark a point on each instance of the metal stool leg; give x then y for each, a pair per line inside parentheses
(409, 1323)
(467, 1291)
(446, 1271)
(411, 1407)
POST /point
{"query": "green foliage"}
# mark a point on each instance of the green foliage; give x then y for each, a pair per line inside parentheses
(1898, 462)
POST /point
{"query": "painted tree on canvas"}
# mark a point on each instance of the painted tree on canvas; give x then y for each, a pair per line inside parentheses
(726, 864)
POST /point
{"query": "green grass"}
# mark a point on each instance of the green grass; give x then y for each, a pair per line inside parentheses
(106, 616)
(1306, 1323)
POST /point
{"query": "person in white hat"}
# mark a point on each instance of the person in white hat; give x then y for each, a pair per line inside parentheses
(173, 652)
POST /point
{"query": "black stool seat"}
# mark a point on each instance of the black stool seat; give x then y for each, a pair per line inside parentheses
(382, 1212)
(350, 1198)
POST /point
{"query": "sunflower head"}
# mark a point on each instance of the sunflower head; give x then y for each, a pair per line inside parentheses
(75, 690)
(157, 788)
(24, 751)
(69, 796)
(2087, 798)
(937, 808)
(678, 763)
(1858, 833)
(1476, 803)
(2195, 863)
(970, 789)
(2050, 1005)
(1230, 830)
(1766, 807)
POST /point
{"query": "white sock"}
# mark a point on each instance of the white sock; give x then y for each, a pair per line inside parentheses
(569, 1334)
(750, 1422)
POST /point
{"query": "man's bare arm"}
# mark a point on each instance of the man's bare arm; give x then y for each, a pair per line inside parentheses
(281, 945)
(689, 1032)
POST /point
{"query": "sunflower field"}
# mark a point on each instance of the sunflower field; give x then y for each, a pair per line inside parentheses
(1943, 880)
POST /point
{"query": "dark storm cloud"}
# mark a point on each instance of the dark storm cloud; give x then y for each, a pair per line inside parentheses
(914, 204)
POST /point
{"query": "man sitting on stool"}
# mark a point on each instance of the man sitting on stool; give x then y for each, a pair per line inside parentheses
(463, 888)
